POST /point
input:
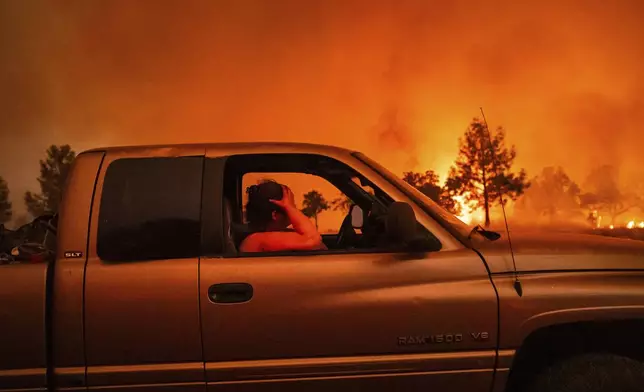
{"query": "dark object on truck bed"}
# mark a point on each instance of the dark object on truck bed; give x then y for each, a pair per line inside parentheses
(34, 242)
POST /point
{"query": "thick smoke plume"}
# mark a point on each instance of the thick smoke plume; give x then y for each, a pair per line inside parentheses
(399, 80)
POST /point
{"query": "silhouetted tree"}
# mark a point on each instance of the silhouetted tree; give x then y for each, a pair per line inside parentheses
(483, 169)
(429, 184)
(53, 174)
(313, 204)
(341, 203)
(552, 194)
(5, 204)
(604, 193)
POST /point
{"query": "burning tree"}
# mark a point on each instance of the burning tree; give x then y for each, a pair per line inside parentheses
(483, 169)
(53, 174)
(428, 184)
(552, 194)
(605, 195)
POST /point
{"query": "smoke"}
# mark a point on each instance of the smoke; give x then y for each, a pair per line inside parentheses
(605, 131)
(396, 137)
(399, 80)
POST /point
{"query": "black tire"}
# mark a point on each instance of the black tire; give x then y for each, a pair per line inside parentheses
(591, 373)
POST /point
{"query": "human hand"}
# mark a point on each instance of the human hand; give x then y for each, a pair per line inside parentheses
(288, 200)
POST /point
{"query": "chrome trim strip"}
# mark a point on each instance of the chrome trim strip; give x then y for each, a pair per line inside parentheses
(506, 357)
(165, 373)
(26, 379)
(362, 376)
(177, 387)
(358, 366)
(69, 377)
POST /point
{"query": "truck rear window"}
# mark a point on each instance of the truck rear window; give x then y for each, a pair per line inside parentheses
(150, 209)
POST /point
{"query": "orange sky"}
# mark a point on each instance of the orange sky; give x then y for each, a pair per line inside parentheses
(564, 78)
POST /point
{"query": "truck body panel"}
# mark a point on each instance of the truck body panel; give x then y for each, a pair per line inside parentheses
(566, 297)
(141, 316)
(112, 313)
(23, 356)
(550, 252)
(352, 315)
(68, 330)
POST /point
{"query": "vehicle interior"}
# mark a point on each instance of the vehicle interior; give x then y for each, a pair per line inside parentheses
(368, 224)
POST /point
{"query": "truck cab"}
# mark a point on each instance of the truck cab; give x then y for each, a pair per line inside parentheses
(149, 291)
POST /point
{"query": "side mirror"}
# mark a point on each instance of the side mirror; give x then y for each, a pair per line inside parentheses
(357, 217)
(401, 222)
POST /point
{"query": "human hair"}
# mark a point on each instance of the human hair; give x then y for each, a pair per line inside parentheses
(259, 209)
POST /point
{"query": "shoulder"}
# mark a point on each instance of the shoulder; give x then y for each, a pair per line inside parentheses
(275, 241)
(264, 241)
(252, 243)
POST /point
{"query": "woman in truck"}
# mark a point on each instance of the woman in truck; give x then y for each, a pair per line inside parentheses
(270, 211)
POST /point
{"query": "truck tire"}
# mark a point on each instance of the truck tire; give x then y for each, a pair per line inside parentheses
(591, 373)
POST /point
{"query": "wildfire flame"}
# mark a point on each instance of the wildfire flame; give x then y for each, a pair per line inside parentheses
(466, 216)
(632, 224)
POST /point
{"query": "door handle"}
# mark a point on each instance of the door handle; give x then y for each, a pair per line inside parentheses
(230, 293)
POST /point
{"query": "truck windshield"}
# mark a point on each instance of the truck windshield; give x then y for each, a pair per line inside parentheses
(433, 208)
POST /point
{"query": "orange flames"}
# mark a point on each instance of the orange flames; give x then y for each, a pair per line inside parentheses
(468, 217)
(630, 225)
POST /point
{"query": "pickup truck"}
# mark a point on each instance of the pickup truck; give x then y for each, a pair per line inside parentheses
(148, 291)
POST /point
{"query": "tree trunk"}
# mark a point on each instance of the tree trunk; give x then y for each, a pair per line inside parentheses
(315, 216)
(486, 205)
(486, 198)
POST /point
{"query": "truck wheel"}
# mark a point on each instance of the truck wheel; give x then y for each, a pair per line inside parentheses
(592, 373)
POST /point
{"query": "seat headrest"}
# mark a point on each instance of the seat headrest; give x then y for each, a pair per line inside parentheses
(228, 228)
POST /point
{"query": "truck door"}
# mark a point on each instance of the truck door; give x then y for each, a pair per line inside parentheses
(23, 361)
(141, 287)
(348, 320)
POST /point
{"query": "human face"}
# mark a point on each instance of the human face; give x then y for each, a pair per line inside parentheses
(280, 221)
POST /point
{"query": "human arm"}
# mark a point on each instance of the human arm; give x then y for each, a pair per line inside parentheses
(304, 237)
(277, 241)
(300, 222)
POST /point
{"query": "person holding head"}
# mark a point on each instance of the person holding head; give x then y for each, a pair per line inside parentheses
(270, 211)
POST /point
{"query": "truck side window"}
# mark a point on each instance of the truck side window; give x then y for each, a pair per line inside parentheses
(150, 209)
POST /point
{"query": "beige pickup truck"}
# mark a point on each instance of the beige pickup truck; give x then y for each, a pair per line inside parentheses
(148, 291)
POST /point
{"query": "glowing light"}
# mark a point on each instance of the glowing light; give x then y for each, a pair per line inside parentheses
(631, 224)
(641, 225)
(466, 216)
(611, 227)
